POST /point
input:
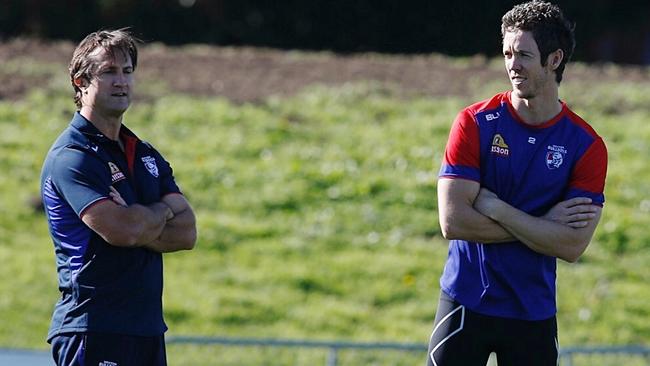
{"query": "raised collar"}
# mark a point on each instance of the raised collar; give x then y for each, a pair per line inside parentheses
(85, 126)
(88, 128)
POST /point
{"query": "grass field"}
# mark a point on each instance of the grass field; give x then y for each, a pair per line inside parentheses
(317, 219)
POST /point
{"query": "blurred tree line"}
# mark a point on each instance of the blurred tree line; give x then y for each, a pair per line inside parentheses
(615, 31)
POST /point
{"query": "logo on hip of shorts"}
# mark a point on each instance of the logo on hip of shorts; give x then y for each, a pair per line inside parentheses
(108, 363)
(555, 156)
(499, 146)
(116, 173)
(150, 164)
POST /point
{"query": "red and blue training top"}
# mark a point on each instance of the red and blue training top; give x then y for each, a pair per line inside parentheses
(531, 168)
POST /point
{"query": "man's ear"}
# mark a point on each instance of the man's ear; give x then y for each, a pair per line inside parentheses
(555, 58)
(80, 82)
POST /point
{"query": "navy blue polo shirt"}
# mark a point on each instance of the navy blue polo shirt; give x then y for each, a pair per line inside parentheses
(104, 288)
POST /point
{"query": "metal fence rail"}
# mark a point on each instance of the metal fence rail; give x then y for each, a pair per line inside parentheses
(567, 355)
(25, 357)
(333, 346)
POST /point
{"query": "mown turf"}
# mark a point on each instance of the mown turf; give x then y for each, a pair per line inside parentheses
(317, 219)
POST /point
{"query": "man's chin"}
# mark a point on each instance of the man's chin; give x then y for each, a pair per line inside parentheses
(122, 107)
(117, 112)
(522, 94)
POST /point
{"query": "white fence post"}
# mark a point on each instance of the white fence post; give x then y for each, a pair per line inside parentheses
(332, 357)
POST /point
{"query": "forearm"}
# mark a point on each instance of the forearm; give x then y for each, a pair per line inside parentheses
(542, 235)
(465, 223)
(145, 223)
(178, 233)
(460, 220)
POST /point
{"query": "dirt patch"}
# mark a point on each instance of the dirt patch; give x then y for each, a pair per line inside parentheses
(249, 74)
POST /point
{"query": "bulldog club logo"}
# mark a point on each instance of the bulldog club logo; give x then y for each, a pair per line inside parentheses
(499, 146)
(555, 156)
(150, 164)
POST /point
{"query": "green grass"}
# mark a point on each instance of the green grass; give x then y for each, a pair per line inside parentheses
(317, 219)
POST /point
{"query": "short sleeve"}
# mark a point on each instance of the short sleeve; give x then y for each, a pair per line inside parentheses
(589, 173)
(167, 182)
(462, 156)
(81, 178)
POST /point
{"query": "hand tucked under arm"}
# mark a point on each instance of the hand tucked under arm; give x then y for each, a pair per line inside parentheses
(564, 232)
(126, 226)
(179, 232)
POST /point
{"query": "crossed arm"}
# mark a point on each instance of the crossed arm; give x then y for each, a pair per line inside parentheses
(472, 213)
(165, 226)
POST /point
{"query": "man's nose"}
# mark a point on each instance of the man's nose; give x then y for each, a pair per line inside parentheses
(120, 79)
(513, 64)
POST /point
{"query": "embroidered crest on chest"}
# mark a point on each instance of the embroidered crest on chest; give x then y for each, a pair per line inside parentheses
(150, 164)
(555, 156)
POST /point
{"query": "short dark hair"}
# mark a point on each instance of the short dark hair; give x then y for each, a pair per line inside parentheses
(550, 29)
(84, 66)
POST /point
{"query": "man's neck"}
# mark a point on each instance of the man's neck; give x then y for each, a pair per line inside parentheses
(108, 125)
(537, 110)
